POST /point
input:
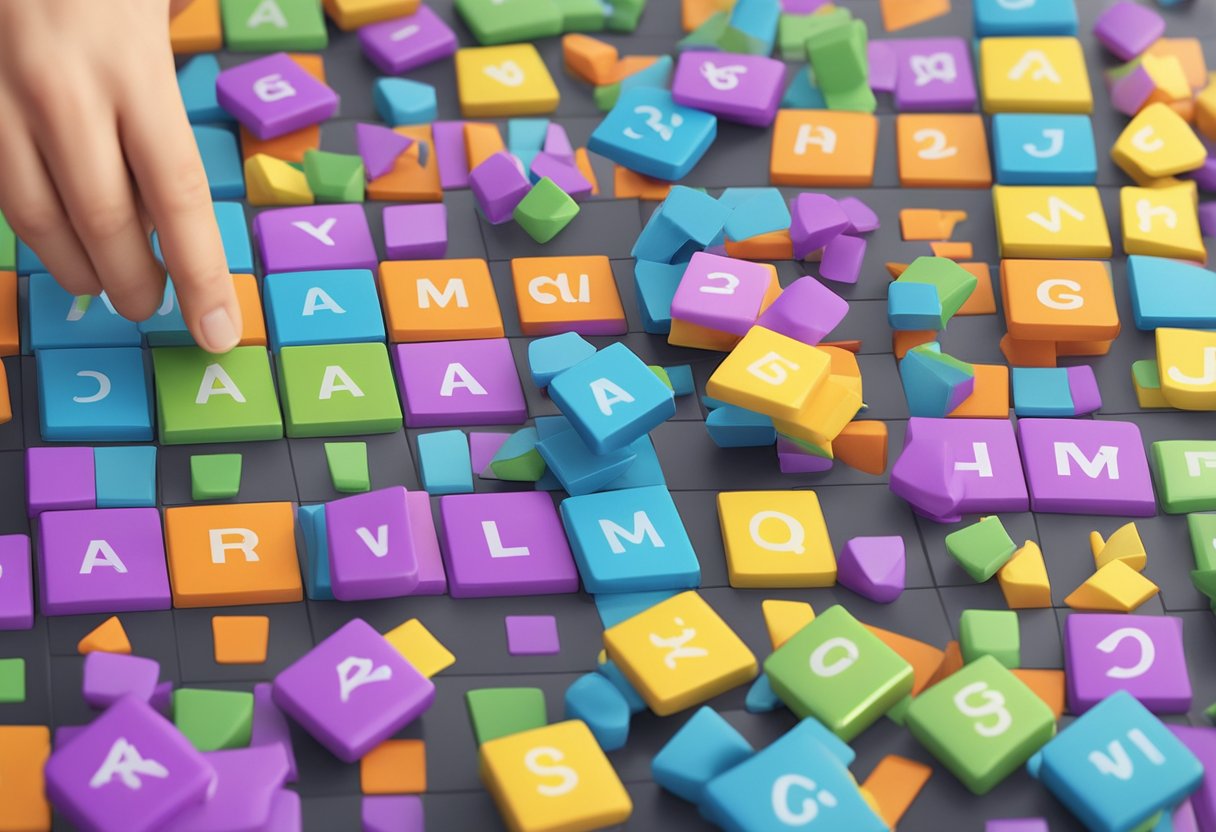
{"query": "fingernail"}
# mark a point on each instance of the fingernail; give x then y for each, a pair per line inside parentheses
(219, 335)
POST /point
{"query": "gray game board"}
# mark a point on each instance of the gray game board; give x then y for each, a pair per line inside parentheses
(854, 503)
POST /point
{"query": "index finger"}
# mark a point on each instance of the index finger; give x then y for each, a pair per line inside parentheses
(168, 170)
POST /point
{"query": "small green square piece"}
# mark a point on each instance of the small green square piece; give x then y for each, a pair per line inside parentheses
(273, 25)
(338, 390)
(348, 466)
(837, 671)
(214, 720)
(990, 633)
(953, 283)
(1146, 374)
(981, 548)
(981, 722)
(334, 177)
(493, 22)
(202, 397)
(545, 211)
(500, 712)
(12, 681)
(8, 246)
(1185, 471)
(215, 476)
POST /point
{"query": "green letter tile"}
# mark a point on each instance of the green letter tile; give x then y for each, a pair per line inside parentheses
(12, 681)
(990, 633)
(338, 390)
(348, 466)
(1185, 471)
(202, 397)
(837, 671)
(981, 548)
(981, 722)
(500, 712)
(215, 476)
(214, 719)
(273, 25)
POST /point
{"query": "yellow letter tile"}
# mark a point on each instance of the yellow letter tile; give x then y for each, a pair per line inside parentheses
(776, 539)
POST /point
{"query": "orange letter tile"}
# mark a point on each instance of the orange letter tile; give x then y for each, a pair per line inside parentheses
(567, 294)
(1059, 300)
(824, 148)
(943, 151)
(439, 300)
(24, 750)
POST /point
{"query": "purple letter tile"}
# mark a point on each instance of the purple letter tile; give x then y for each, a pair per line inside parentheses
(721, 293)
(102, 560)
(353, 691)
(273, 96)
(371, 546)
(460, 383)
(1140, 654)
(741, 88)
(129, 771)
(247, 781)
(16, 583)
(405, 43)
(314, 237)
(59, 478)
(934, 76)
(1086, 467)
(510, 543)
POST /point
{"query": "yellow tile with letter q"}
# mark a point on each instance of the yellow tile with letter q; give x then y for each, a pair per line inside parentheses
(775, 539)
(770, 373)
(1051, 222)
(502, 81)
(1162, 222)
(679, 653)
(1034, 75)
(1158, 142)
(1186, 363)
(553, 779)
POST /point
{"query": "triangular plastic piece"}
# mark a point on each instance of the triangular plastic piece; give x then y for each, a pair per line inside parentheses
(1116, 587)
(952, 662)
(1024, 580)
(863, 445)
(380, 147)
(1125, 545)
(107, 637)
(924, 658)
(1048, 685)
(784, 618)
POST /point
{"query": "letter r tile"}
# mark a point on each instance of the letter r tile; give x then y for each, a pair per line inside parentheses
(503, 544)
(101, 560)
(226, 555)
(1086, 467)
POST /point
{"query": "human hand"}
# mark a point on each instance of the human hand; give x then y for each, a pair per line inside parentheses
(96, 147)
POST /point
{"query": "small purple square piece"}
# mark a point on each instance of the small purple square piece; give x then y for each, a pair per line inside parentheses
(110, 676)
(1086, 467)
(1128, 94)
(874, 567)
(102, 560)
(934, 75)
(273, 95)
(371, 546)
(884, 65)
(405, 43)
(1127, 29)
(1140, 654)
(815, 220)
(59, 478)
(532, 635)
(314, 237)
(842, 259)
(129, 771)
(721, 293)
(502, 544)
(806, 311)
(270, 726)
(1083, 385)
(1017, 825)
(862, 218)
(353, 691)
(416, 232)
(451, 154)
(565, 175)
(742, 88)
(499, 185)
(393, 813)
(460, 383)
(557, 143)
(247, 781)
(16, 583)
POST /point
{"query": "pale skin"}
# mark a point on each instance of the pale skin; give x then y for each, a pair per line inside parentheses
(96, 150)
